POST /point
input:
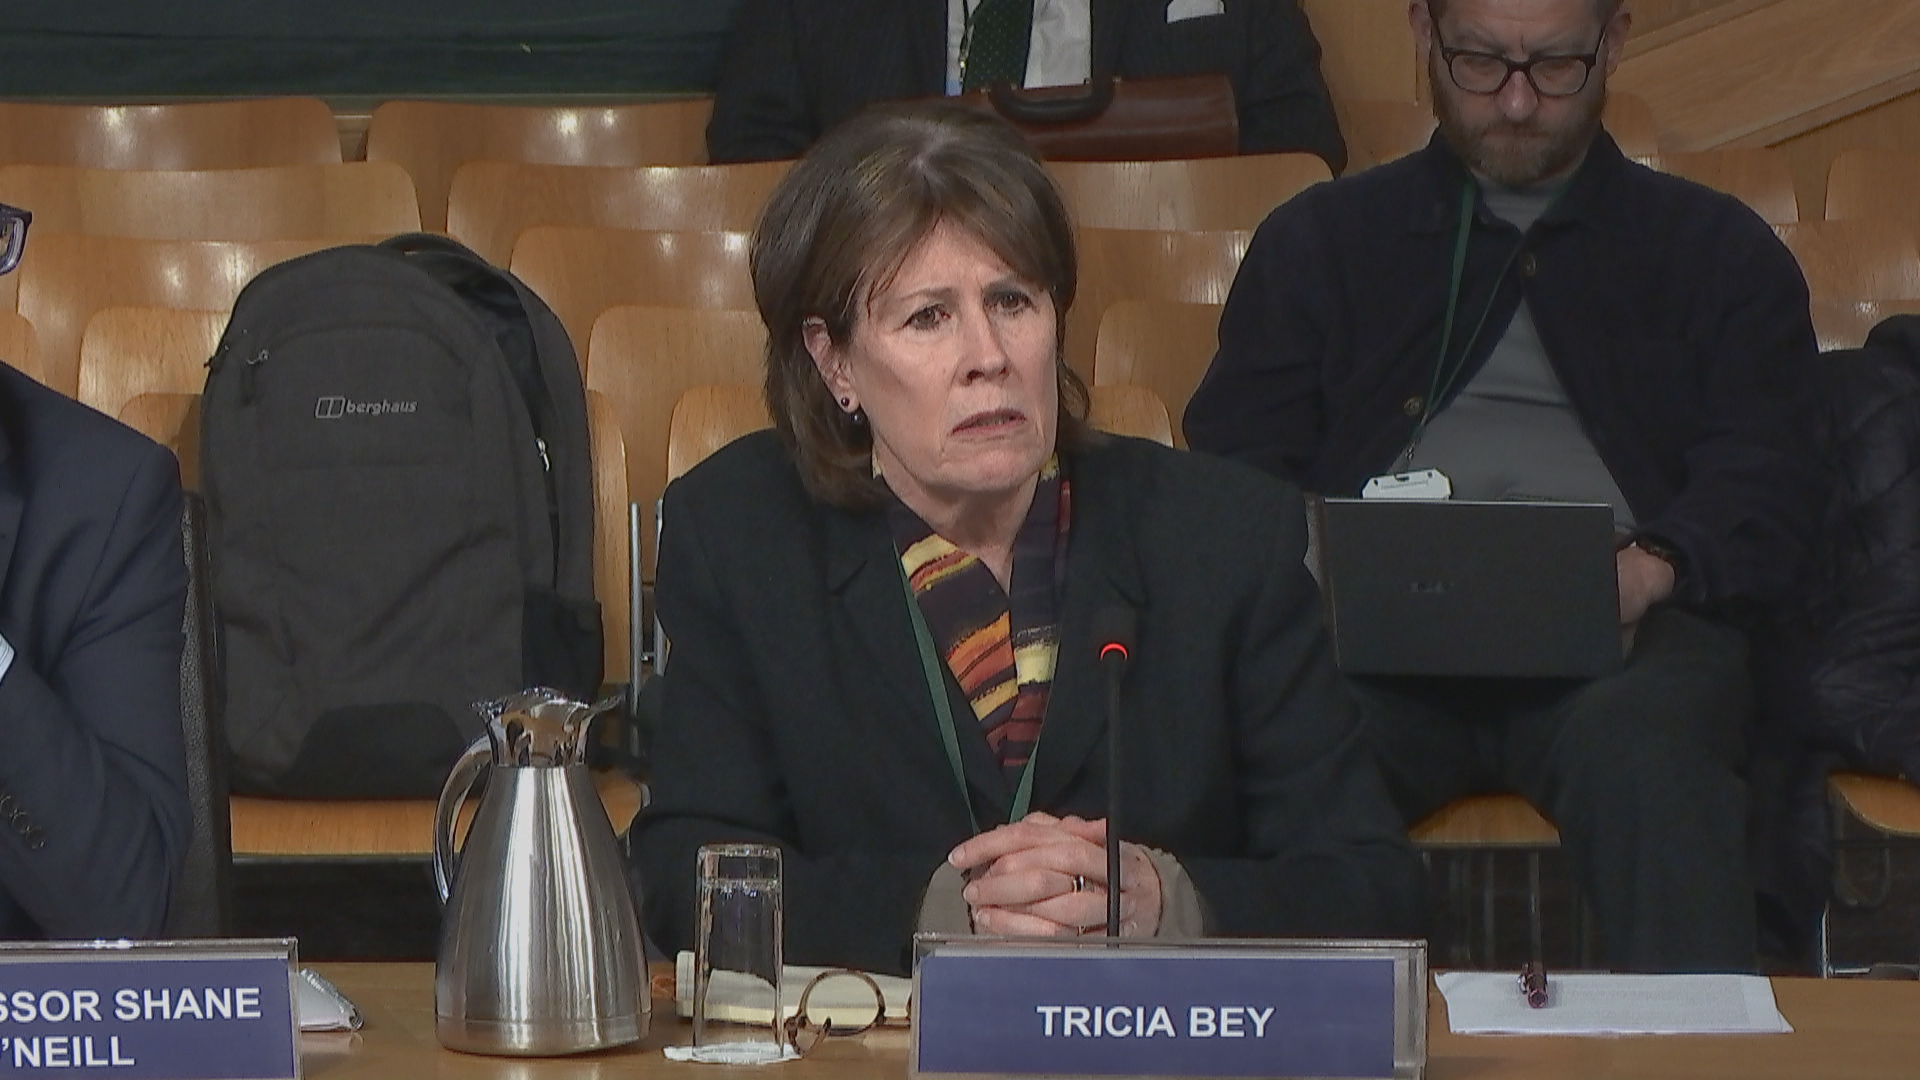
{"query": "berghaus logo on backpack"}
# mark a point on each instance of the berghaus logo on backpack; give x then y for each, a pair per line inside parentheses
(334, 407)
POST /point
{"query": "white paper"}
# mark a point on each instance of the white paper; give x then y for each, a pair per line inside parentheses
(731, 1054)
(1182, 10)
(1490, 1003)
(839, 1001)
(322, 1007)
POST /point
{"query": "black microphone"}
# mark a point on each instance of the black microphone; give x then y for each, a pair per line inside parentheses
(1113, 630)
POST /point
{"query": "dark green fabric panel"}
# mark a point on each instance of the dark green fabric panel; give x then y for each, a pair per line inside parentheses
(120, 48)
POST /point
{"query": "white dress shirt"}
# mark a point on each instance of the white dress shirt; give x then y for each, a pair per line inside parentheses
(1061, 53)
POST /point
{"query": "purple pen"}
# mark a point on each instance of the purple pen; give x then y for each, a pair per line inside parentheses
(1533, 985)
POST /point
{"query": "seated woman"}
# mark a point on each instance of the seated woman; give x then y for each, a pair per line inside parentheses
(882, 614)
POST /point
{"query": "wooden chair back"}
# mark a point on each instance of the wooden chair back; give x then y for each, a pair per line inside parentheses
(1758, 176)
(172, 419)
(1163, 345)
(1380, 131)
(1629, 119)
(1882, 184)
(1129, 410)
(642, 359)
(20, 346)
(492, 202)
(399, 830)
(196, 135)
(66, 279)
(274, 202)
(1202, 193)
(1486, 821)
(1128, 264)
(432, 139)
(1885, 804)
(581, 272)
(129, 351)
(612, 556)
(1855, 259)
(1845, 324)
(707, 418)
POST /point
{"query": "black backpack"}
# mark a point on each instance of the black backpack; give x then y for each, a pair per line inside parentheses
(395, 457)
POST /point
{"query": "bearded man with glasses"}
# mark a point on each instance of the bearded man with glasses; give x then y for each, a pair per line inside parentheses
(1523, 309)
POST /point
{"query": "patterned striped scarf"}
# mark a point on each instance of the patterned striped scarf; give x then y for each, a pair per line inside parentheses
(999, 647)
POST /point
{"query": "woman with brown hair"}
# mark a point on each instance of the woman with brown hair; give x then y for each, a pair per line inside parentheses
(882, 613)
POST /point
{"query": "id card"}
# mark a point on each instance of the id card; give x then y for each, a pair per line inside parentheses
(1418, 484)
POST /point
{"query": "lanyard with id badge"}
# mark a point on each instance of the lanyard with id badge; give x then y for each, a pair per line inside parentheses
(1432, 483)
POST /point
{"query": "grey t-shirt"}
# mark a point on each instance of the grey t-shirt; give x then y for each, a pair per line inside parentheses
(1511, 433)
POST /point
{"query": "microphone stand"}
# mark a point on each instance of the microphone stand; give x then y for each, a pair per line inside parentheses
(1115, 669)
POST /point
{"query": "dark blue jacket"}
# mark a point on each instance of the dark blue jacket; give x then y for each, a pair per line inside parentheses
(94, 817)
(1673, 316)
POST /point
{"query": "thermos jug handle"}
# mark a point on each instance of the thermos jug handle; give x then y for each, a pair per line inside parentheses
(466, 773)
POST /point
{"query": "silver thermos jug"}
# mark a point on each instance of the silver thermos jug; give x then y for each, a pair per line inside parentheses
(540, 945)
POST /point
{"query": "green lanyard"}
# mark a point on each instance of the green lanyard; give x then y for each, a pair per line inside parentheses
(931, 668)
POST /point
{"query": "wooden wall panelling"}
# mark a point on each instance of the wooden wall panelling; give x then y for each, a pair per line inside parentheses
(1777, 71)
(1656, 24)
(1651, 15)
(1366, 48)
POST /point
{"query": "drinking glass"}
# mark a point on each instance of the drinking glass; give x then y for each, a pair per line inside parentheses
(737, 955)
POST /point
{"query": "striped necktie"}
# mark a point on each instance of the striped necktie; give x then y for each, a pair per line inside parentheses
(994, 46)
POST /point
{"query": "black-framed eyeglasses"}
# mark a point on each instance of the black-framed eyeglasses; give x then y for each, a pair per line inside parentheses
(13, 229)
(1553, 75)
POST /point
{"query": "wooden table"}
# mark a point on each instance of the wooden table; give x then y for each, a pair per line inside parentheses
(1843, 1030)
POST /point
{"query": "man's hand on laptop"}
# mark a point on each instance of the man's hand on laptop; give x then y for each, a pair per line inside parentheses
(1645, 580)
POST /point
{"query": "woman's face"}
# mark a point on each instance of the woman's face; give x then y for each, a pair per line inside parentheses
(954, 364)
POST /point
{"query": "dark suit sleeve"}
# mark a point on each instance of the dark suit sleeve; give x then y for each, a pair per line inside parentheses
(1326, 853)
(95, 761)
(1745, 517)
(760, 107)
(1283, 99)
(1259, 401)
(719, 760)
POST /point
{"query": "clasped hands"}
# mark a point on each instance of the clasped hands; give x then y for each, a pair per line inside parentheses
(1044, 876)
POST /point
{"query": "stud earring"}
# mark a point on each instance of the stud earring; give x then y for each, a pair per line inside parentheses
(844, 402)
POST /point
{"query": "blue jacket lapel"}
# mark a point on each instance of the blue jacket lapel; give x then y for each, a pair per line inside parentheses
(13, 494)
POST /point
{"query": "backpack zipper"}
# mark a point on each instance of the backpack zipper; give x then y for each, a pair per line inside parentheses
(219, 359)
(247, 376)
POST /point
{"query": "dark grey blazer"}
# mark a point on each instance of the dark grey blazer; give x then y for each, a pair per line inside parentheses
(94, 820)
(795, 709)
(792, 69)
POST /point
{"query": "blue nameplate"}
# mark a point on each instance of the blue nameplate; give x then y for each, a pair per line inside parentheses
(208, 1010)
(1150, 1008)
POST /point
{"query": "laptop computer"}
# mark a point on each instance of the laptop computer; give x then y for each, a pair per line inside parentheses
(1510, 589)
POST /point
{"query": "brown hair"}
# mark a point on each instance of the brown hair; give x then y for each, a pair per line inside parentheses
(838, 227)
